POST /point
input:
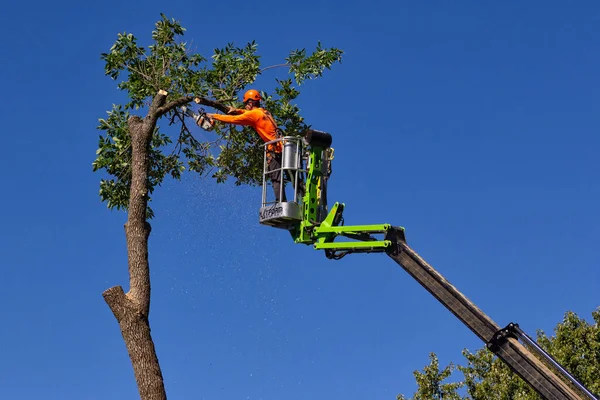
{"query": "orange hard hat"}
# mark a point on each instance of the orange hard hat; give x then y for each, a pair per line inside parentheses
(252, 95)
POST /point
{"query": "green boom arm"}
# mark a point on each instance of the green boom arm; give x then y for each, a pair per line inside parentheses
(541, 372)
(322, 232)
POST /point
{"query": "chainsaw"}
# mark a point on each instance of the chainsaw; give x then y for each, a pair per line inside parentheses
(201, 119)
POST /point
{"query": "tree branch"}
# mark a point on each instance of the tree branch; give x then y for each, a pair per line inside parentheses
(187, 99)
(157, 102)
(239, 81)
(139, 71)
(275, 66)
(115, 298)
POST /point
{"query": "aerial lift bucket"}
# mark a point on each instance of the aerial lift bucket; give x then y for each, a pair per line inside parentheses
(284, 215)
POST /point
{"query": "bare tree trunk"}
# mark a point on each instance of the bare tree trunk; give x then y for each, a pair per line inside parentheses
(133, 308)
(135, 329)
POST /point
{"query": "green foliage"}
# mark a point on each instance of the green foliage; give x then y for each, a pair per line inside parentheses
(431, 382)
(312, 66)
(486, 376)
(233, 68)
(114, 155)
(168, 64)
(575, 345)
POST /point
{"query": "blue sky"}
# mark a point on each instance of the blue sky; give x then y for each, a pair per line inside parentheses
(474, 126)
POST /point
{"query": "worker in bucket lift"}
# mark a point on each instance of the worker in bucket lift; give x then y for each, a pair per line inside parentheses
(263, 123)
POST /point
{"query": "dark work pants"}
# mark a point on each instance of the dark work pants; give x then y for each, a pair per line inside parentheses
(274, 169)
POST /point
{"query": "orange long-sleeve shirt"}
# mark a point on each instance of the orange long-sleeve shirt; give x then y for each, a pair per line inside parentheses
(258, 118)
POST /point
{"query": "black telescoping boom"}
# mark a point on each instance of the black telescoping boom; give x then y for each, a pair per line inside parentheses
(542, 373)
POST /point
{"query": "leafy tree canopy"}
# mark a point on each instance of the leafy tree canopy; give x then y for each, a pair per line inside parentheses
(169, 65)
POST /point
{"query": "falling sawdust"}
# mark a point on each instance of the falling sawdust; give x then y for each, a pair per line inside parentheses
(222, 250)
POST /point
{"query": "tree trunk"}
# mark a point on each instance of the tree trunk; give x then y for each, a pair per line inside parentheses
(135, 329)
(132, 309)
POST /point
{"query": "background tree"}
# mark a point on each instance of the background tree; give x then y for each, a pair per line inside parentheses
(431, 385)
(575, 345)
(137, 154)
